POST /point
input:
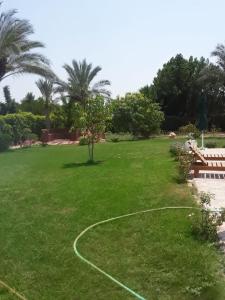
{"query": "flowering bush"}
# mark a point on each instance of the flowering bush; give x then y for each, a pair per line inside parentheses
(190, 129)
(205, 225)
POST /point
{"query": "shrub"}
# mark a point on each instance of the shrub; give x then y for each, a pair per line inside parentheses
(185, 160)
(115, 140)
(5, 128)
(33, 137)
(176, 149)
(211, 145)
(117, 137)
(20, 122)
(204, 226)
(136, 114)
(190, 129)
(83, 141)
(28, 137)
(5, 141)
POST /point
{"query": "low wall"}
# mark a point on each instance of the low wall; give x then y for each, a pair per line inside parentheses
(60, 133)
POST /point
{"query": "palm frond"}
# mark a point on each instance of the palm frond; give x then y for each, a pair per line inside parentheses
(93, 73)
(80, 74)
(219, 53)
(101, 83)
(15, 46)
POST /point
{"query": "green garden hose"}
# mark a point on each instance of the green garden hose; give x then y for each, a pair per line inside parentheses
(135, 294)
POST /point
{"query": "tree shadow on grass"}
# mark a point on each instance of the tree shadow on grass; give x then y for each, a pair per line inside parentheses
(83, 164)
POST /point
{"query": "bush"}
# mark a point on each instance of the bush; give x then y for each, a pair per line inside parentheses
(136, 114)
(185, 161)
(5, 128)
(211, 145)
(33, 137)
(177, 149)
(117, 137)
(204, 226)
(184, 158)
(190, 129)
(115, 140)
(29, 138)
(5, 141)
(83, 141)
(21, 122)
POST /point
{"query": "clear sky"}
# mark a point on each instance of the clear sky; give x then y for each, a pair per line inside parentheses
(129, 39)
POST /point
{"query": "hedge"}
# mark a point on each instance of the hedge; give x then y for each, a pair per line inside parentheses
(5, 141)
(16, 125)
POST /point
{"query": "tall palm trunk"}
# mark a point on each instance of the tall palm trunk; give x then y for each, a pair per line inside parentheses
(47, 118)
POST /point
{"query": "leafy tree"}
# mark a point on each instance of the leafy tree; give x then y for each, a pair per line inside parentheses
(58, 117)
(29, 98)
(176, 86)
(10, 104)
(16, 49)
(5, 128)
(19, 124)
(136, 114)
(68, 107)
(213, 79)
(46, 89)
(146, 91)
(92, 120)
(80, 76)
(28, 103)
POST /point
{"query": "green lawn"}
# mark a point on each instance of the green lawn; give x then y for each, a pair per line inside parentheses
(49, 195)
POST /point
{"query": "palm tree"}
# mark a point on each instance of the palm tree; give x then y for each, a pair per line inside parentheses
(15, 48)
(46, 89)
(80, 76)
(214, 74)
(212, 78)
(219, 53)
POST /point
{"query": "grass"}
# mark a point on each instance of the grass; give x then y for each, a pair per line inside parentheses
(49, 195)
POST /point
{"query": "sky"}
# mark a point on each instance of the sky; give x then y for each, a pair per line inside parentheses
(129, 39)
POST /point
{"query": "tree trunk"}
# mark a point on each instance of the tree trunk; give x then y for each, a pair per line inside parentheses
(91, 150)
(47, 118)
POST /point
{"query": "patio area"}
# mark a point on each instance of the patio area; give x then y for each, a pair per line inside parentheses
(214, 183)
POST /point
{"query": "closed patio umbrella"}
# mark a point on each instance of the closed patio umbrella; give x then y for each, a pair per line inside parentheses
(202, 122)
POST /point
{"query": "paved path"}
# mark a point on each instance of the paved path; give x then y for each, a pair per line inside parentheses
(213, 186)
(214, 183)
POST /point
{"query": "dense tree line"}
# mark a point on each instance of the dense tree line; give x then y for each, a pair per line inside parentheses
(171, 101)
(179, 85)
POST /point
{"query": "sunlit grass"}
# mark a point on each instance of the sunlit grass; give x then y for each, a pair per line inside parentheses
(49, 195)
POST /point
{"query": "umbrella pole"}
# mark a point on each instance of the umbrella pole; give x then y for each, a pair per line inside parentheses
(202, 140)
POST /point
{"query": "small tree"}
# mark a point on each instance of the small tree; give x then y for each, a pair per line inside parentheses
(46, 89)
(136, 114)
(92, 120)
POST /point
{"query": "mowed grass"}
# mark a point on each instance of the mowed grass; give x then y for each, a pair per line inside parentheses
(49, 195)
